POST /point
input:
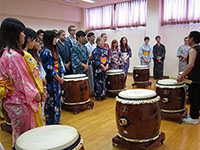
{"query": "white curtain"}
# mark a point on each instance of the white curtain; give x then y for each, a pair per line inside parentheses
(99, 17)
(130, 13)
(194, 10)
(180, 11)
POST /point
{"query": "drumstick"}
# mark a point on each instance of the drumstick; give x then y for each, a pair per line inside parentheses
(184, 80)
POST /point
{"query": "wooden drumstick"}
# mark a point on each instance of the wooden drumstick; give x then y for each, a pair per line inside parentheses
(184, 80)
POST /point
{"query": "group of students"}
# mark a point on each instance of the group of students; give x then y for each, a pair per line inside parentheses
(33, 66)
(31, 75)
(81, 54)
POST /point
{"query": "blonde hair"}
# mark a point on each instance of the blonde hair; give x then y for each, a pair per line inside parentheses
(98, 39)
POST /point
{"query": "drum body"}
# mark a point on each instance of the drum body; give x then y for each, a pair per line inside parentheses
(76, 89)
(53, 137)
(141, 74)
(138, 115)
(172, 95)
(115, 81)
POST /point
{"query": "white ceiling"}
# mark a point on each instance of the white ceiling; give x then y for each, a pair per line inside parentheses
(82, 4)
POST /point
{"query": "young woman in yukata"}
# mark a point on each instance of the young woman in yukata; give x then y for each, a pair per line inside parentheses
(55, 70)
(23, 97)
(34, 72)
(126, 54)
(100, 61)
(116, 56)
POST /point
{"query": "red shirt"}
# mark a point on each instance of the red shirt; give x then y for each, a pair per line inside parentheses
(106, 47)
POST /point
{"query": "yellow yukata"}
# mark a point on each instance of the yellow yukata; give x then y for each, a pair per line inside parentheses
(4, 88)
(35, 76)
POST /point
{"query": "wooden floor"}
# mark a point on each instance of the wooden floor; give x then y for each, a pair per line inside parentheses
(98, 126)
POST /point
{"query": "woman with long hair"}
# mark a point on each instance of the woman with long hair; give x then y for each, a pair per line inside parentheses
(126, 54)
(115, 53)
(23, 97)
(55, 70)
(33, 71)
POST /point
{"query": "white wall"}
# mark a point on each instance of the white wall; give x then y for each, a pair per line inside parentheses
(39, 14)
(135, 38)
(173, 37)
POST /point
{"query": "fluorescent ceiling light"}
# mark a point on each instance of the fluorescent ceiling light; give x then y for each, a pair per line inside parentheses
(70, 1)
(89, 1)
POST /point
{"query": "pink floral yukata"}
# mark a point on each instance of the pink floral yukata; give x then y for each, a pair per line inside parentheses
(19, 103)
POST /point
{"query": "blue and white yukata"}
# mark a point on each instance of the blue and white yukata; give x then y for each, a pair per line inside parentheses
(79, 55)
(52, 67)
(90, 48)
(182, 50)
(147, 52)
(99, 56)
(126, 65)
(116, 56)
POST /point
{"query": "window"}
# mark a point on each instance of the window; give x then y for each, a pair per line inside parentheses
(180, 11)
(124, 14)
(130, 13)
(99, 17)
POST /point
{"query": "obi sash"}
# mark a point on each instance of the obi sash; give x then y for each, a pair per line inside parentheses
(103, 59)
(146, 53)
(56, 66)
(115, 57)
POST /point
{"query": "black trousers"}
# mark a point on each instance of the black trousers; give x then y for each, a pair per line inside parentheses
(158, 70)
(194, 99)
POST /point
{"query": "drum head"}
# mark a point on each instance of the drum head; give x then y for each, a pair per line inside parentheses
(52, 137)
(141, 67)
(75, 77)
(115, 71)
(137, 94)
(169, 83)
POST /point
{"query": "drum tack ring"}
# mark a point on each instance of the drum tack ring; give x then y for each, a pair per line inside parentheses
(165, 100)
(123, 122)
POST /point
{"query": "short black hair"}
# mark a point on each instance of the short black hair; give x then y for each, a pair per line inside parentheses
(196, 36)
(80, 33)
(146, 38)
(158, 36)
(90, 34)
(40, 31)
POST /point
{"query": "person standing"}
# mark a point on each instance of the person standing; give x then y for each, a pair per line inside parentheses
(90, 47)
(126, 54)
(79, 55)
(22, 97)
(145, 53)
(40, 34)
(106, 46)
(64, 50)
(158, 57)
(100, 63)
(71, 39)
(192, 70)
(182, 55)
(55, 70)
(30, 38)
(116, 56)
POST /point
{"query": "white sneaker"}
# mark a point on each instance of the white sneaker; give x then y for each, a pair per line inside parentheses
(188, 119)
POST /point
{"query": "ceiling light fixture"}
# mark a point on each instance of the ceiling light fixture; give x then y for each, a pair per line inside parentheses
(89, 1)
(70, 1)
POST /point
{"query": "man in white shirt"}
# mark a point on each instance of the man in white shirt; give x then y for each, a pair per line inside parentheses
(90, 47)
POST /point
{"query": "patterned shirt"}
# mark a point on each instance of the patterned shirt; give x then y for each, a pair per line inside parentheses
(79, 55)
